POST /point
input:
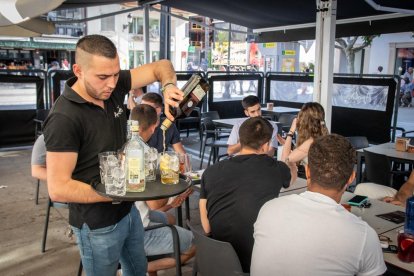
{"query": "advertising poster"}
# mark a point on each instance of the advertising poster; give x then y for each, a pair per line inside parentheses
(288, 65)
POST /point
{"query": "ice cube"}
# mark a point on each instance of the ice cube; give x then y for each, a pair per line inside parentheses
(112, 160)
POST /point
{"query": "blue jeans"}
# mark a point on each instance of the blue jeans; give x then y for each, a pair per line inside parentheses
(102, 249)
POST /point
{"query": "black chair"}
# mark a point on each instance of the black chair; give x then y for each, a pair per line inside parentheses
(378, 169)
(37, 192)
(41, 115)
(211, 115)
(211, 138)
(190, 122)
(215, 257)
(286, 119)
(50, 204)
(410, 134)
(176, 246)
(358, 142)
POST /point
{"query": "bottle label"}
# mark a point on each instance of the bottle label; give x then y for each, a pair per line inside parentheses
(134, 170)
(199, 92)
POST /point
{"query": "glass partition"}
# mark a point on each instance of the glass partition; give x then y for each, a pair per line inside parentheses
(359, 96)
(17, 96)
(291, 91)
(234, 90)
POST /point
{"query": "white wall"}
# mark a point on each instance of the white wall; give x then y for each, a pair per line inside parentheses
(379, 53)
(119, 37)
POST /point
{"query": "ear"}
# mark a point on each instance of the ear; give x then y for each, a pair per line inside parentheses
(350, 180)
(246, 113)
(265, 147)
(308, 176)
(307, 171)
(153, 127)
(77, 70)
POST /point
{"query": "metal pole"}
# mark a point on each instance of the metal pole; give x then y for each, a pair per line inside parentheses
(325, 41)
(228, 48)
(165, 34)
(146, 35)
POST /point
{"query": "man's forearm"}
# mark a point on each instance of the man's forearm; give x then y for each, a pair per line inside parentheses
(403, 194)
(74, 191)
(203, 216)
(158, 204)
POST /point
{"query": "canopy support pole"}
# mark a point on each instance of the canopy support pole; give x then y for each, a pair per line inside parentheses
(146, 35)
(325, 46)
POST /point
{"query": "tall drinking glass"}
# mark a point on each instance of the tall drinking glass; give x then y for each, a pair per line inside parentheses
(169, 167)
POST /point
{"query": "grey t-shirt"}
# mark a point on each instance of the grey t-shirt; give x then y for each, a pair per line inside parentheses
(39, 151)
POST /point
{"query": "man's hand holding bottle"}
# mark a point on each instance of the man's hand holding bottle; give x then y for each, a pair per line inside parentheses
(172, 97)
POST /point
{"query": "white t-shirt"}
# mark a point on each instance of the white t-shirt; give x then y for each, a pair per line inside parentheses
(234, 135)
(311, 234)
(143, 211)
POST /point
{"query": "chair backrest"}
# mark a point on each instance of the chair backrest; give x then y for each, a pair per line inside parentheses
(213, 115)
(377, 168)
(358, 142)
(208, 128)
(215, 257)
(195, 113)
(286, 120)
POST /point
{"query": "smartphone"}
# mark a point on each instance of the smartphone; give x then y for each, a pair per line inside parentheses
(358, 200)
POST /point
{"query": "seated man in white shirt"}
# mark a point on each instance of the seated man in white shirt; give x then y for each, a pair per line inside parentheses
(159, 241)
(386, 193)
(312, 233)
(252, 108)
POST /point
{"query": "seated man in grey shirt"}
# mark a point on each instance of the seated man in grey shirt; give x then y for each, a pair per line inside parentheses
(252, 108)
(38, 163)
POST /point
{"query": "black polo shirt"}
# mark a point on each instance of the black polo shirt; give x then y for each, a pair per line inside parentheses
(75, 125)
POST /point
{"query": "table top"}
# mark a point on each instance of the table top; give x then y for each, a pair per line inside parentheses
(153, 190)
(231, 122)
(388, 149)
(368, 215)
(281, 109)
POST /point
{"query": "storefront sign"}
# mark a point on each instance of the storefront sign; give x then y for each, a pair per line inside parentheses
(288, 52)
(269, 45)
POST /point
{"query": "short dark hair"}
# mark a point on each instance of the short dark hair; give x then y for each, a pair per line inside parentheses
(97, 45)
(154, 98)
(145, 115)
(250, 101)
(255, 132)
(331, 160)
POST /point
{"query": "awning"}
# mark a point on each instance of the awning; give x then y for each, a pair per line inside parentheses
(37, 45)
(261, 14)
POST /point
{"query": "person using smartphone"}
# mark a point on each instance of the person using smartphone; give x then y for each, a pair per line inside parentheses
(313, 226)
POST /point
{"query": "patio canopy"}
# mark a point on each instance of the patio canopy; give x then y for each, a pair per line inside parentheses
(281, 20)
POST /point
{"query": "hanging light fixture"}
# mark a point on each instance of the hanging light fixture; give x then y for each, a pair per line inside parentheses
(125, 26)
